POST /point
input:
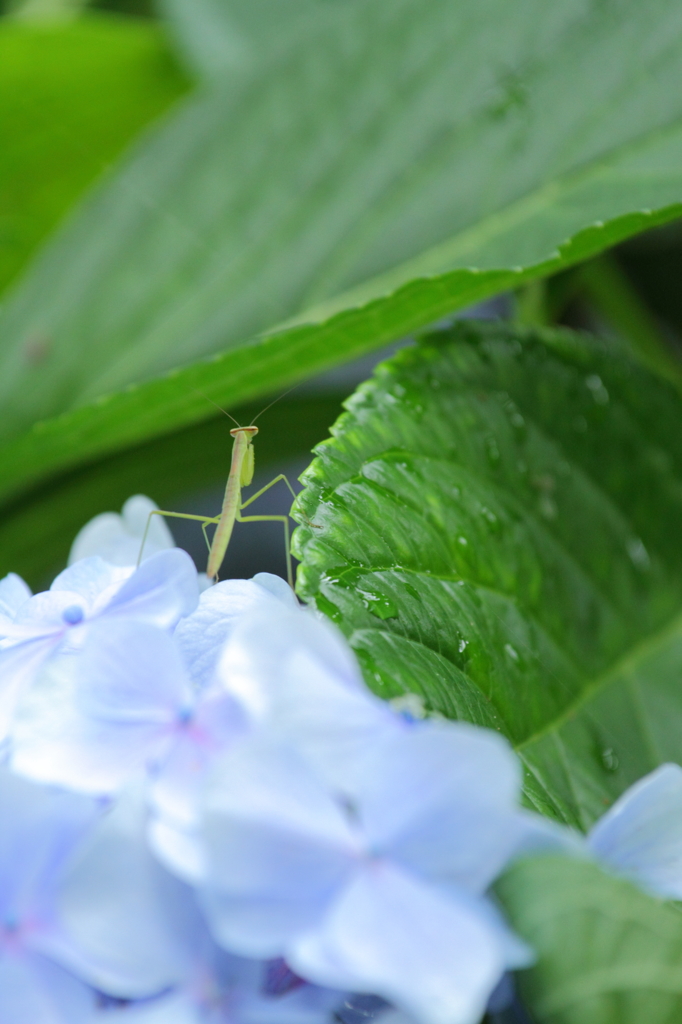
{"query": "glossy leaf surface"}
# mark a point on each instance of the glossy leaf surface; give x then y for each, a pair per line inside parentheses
(499, 520)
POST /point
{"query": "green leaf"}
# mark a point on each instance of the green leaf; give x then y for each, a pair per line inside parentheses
(401, 161)
(221, 35)
(607, 953)
(72, 94)
(498, 530)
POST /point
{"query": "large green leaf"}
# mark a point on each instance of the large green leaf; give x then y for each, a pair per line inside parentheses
(216, 36)
(446, 143)
(498, 529)
(607, 953)
(72, 93)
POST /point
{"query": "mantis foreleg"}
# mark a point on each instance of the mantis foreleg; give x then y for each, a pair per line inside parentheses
(267, 487)
(204, 520)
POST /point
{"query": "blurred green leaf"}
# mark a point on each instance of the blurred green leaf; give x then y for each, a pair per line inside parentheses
(607, 953)
(220, 35)
(399, 142)
(72, 94)
(608, 290)
(499, 516)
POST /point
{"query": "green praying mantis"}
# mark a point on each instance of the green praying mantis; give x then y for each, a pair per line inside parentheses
(240, 475)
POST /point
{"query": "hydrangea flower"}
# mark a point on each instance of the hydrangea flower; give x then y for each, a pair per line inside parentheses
(640, 836)
(159, 593)
(306, 819)
(118, 538)
(40, 830)
(384, 894)
(136, 934)
(122, 706)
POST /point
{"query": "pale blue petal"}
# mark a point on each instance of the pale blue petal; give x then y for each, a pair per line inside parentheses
(43, 615)
(117, 538)
(13, 593)
(90, 578)
(264, 642)
(278, 587)
(277, 848)
(436, 958)
(35, 991)
(333, 724)
(181, 850)
(19, 666)
(217, 723)
(308, 1004)
(541, 835)
(129, 928)
(40, 829)
(131, 672)
(177, 1008)
(160, 592)
(441, 798)
(202, 635)
(54, 742)
(641, 835)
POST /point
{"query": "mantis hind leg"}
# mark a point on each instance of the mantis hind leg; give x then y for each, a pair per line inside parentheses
(284, 520)
(204, 520)
(267, 487)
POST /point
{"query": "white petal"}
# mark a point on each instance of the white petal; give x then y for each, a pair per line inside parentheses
(179, 849)
(35, 991)
(641, 835)
(441, 798)
(265, 640)
(278, 587)
(217, 723)
(202, 635)
(177, 1008)
(54, 742)
(13, 593)
(436, 958)
(160, 592)
(41, 827)
(19, 666)
(333, 724)
(277, 848)
(43, 615)
(90, 578)
(130, 672)
(117, 538)
(130, 929)
(541, 835)
(307, 1004)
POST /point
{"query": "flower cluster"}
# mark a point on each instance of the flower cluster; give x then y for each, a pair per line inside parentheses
(207, 817)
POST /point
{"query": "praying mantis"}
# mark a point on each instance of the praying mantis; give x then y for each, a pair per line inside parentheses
(240, 475)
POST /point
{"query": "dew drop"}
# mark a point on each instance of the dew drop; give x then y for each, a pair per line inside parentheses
(609, 759)
(492, 450)
(377, 604)
(639, 555)
(462, 646)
